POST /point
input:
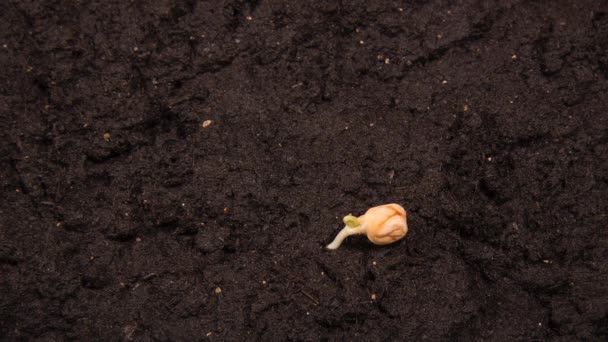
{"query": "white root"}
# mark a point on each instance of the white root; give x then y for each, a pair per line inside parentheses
(344, 233)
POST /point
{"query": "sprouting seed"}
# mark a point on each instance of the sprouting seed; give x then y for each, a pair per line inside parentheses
(383, 225)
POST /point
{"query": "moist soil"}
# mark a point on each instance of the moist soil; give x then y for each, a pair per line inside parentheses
(127, 215)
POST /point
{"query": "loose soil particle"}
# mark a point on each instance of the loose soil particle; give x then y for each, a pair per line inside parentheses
(123, 219)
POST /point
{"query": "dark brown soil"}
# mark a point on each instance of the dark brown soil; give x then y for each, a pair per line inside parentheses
(123, 218)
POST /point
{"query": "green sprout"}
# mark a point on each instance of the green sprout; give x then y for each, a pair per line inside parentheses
(351, 221)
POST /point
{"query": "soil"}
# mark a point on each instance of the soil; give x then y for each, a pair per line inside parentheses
(127, 215)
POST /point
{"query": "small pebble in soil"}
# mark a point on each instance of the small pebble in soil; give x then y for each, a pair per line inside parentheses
(374, 296)
(249, 17)
(207, 123)
(106, 136)
(129, 330)
(514, 56)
